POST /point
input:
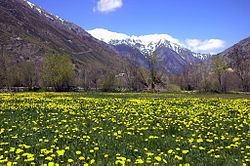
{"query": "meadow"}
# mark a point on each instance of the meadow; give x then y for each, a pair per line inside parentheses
(124, 129)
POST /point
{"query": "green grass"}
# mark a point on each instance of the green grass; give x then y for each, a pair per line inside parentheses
(124, 128)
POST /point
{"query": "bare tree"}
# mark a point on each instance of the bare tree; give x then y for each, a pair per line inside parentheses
(3, 67)
(241, 65)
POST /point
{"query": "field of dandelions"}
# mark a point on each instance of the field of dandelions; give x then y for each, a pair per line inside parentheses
(123, 129)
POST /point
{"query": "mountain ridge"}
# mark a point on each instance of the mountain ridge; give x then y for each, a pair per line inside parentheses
(170, 51)
(28, 32)
(145, 43)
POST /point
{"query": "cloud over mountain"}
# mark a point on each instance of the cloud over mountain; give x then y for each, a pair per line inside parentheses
(108, 5)
(206, 45)
(195, 45)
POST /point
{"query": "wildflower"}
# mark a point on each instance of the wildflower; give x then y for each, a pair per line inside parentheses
(158, 158)
(78, 152)
(19, 151)
(170, 151)
(92, 161)
(60, 152)
(178, 157)
(70, 160)
(185, 151)
(81, 158)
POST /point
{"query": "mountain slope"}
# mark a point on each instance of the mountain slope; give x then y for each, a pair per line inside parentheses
(171, 52)
(242, 49)
(27, 32)
(238, 59)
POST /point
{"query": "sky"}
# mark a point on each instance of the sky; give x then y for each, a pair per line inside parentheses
(201, 25)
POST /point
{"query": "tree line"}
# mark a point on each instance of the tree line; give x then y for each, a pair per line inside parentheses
(58, 73)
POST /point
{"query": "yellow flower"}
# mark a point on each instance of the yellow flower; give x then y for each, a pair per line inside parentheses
(49, 158)
(185, 151)
(170, 151)
(209, 140)
(51, 164)
(106, 155)
(78, 152)
(158, 158)
(139, 161)
(199, 140)
(92, 161)
(19, 151)
(60, 152)
(217, 156)
(178, 157)
(81, 158)
(70, 160)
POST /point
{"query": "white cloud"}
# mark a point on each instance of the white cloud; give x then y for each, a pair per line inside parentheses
(206, 45)
(107, 5)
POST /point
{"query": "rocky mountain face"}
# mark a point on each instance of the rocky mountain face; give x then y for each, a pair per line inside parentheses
(170, 51)
(239, 50)
(27, 32)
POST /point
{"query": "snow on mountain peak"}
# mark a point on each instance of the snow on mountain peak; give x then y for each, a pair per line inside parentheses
(42, 12)
(107, 36)
(145, 43)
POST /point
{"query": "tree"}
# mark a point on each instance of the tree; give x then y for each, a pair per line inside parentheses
(241, 65)
(28, 74)
(218, 68)
(109, 83)
(134, 75)
(3, 68)
(58, 72)
(90, 75)
(154, 67)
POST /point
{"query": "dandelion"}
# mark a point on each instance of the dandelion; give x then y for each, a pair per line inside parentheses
(178, 157)
(81, 158)
(70, 160)
(158, 158)
(92, 161)
(60, 152)
(78, 152)
(170, 151)
(217, 156)
(19, 151)
(185, 151)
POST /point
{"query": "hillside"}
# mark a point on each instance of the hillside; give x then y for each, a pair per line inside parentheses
(27, 32)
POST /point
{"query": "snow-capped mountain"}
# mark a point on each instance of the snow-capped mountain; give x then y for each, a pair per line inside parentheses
(146, 44)
(171, 51)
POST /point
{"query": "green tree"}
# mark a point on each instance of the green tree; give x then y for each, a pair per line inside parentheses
(218, 68)
(28, 74)
(154, 67)
(109, 83)
(58, 72)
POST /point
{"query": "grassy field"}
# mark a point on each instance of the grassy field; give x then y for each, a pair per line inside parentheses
(124, 129)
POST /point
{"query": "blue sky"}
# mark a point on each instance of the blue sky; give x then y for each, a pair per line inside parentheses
(200, 24)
